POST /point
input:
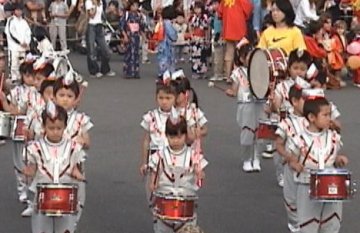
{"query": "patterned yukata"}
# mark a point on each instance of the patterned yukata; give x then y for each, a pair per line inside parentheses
(165, 48)
(199, 25)
(288, 128)
(132, 23)
(54, 162)
(176, 178)
(314, 216)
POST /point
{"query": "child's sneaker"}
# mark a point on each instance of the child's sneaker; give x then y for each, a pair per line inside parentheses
(28, 211)
(269, 152)
(256, 165)
(247, 166)
(281, 180)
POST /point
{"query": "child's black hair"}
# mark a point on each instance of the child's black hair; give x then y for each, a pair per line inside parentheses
(286, 8)
(45, 84)
(200, 4)
(179, 128)
(183, 85)
(26, 68)
(168, 12)
(168, 88)
(295, 92)
(61, 115)
(313, 106)
(45, 71)
(241, 53)
(297, 56)
(74, 86)
(314, 27)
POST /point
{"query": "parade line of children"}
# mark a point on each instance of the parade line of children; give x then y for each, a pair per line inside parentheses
(50, 138)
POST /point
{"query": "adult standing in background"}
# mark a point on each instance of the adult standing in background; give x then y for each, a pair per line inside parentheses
(234, 14)
(283, 34)
(95, 34)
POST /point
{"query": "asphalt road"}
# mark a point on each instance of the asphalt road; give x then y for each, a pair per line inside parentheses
(230, 201)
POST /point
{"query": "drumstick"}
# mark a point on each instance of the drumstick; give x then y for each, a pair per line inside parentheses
(306, 156)
(212, 84)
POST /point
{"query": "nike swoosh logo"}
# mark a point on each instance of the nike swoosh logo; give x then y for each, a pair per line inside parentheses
(278, 39)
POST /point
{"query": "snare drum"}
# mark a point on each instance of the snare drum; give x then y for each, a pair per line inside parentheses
(174, 208)
(266, 129)
(17, 129)
(57, 199)
(330, 185)
(5, 125)
(266, 66)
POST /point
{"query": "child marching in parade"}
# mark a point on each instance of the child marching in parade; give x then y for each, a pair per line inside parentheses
(53, 159)
(249, 109)
(175, 172)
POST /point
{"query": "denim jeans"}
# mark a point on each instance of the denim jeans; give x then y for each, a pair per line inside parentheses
(95, 33)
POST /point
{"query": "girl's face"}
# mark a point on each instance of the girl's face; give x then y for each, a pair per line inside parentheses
(54, 130)
(197, 10)
(39, 78)
(48, 93)
(28, 79)
(327, 25)
(181, 98)
(298, 69)
(319, 36)
(322, 119)
(298, 105)
(277, 15)
(340, 31)
(65, 98)
(165, 100)
(176, 142)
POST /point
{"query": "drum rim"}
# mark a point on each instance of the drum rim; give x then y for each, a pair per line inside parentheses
(249, 76)
(268, 121)
(330, 171)
(174, 219)
(174, 197)
(60, 185)
(57, 213)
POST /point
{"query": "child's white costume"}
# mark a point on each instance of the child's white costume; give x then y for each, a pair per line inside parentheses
(54, 162)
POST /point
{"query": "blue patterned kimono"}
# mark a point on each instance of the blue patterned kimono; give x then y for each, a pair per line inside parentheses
(165, 55)
(132, 23)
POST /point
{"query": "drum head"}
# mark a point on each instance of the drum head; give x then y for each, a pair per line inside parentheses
(259, 74)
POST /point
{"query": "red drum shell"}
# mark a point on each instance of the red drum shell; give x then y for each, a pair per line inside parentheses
(330, 185)
(266, 130)
(57, 199)
(174, 208)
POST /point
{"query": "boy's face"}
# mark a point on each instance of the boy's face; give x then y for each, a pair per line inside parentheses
(54, 130)
(165, 100)
(17, 12)
(65, 98)
(48, 93)
(180, 19)
(176, 142)
(323, 118)
(298, 69)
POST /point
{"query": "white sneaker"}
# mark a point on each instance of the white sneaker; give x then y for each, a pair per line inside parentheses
(256, 165)
(23, 197)
(216, 78)
(281, 180)
(28, 211)
(111, 73)
(269, 152)
(293, 229)
(247, 166)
